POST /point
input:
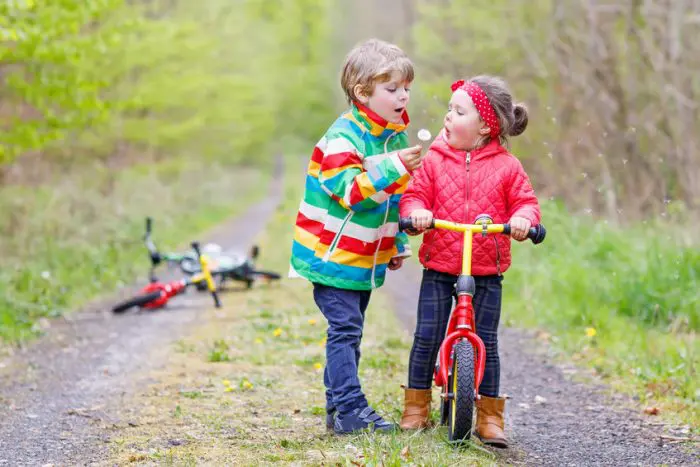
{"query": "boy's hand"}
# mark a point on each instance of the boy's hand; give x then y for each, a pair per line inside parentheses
(422, 218)
(395, 263)
(519, 227)
(411, 157)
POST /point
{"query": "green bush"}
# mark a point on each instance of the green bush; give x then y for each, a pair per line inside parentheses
(635, 287)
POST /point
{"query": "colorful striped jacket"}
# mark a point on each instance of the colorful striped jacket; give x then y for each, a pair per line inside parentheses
(347, 226)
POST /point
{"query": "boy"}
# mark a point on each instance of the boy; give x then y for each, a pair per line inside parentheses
(346, 233)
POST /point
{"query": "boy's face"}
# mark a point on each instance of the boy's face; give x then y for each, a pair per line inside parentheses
(389, 99)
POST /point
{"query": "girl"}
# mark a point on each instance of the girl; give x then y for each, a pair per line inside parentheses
(467, 172)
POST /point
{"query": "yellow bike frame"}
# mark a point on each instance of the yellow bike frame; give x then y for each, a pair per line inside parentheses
(468, 230)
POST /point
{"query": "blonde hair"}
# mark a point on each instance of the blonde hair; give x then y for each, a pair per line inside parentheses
(372, 62)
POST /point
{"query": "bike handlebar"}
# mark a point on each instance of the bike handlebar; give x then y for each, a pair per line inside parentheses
(156, 258)
(537, 233)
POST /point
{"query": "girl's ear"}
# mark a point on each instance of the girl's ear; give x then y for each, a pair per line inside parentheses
(359, 92)
(484, 130)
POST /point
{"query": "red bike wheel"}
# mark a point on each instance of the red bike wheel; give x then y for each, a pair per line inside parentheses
(139, 300)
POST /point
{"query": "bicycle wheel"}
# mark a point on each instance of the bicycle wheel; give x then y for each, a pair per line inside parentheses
(461, 385)
(255, 275)
(139, 300)
(264, 275)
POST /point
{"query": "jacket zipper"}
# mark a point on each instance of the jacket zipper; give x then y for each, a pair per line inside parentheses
(495, 240)
(468, 160)
(334, 243)
(469, 179)
(376, 250)
(373, 282)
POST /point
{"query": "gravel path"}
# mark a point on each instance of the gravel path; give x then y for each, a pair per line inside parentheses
(52, 393)
(550, 419)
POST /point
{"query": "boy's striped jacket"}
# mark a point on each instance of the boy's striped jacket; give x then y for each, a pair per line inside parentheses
(347, 226)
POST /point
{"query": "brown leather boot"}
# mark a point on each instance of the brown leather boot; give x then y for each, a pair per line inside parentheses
(489, 421)
(416, 409)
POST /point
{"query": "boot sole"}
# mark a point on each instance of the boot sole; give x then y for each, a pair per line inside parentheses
(494, 442)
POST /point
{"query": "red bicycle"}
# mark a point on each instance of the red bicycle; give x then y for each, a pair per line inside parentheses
(459, 369)
(156, 294)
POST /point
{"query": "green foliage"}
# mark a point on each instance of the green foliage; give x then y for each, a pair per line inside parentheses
(219, 352)
(47, 48)
(225, 80)
(636, 287)
(94, 86)
(64, 244)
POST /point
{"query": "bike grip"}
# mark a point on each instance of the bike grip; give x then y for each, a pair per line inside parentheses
(149, 225)
(195, 247)
(405, 223)
(537, 234)
(506, 229)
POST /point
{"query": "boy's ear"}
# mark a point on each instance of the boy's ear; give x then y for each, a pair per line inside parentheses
(359, 92)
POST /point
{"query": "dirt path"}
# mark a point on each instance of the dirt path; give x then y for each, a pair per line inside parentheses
(56, 396)
(552, 420)
(52, 394)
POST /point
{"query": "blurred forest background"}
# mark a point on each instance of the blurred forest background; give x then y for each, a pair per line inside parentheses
(114, 109)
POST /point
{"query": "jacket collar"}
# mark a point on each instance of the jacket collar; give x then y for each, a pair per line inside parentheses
(491, 149)
(375, 124)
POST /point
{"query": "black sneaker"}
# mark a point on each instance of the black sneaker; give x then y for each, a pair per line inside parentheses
(360, 420)
(330, 418)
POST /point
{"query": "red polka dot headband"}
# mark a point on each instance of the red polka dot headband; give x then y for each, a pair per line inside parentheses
(482, 104)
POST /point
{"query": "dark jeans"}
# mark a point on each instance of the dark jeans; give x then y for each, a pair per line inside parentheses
(345, 312)
(434, 306)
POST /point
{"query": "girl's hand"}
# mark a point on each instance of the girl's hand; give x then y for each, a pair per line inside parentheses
(519, 227)
(422, 218)
(395, 263)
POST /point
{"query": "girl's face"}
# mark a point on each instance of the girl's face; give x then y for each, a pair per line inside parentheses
(463, 125)
(389, 99)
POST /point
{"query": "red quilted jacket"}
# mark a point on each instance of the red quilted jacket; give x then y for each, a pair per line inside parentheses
(458, 186)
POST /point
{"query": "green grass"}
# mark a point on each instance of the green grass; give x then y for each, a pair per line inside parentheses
(623, 300)
(68, 241)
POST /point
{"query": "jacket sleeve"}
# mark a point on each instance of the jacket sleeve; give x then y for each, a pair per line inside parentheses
(344, 178)
(522, 201)
(420, 193)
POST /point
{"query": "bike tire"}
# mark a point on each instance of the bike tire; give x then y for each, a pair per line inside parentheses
(461, 385)
(255, 275)
(267, 275)
(139, 300)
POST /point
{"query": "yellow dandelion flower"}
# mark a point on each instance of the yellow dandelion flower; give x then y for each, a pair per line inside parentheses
(228, 389)
(246, 384)
(591, 332)
(258, 341)
(312, 321)
(277, 332)
(226, 382)
(323, 342)
(317, 366)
